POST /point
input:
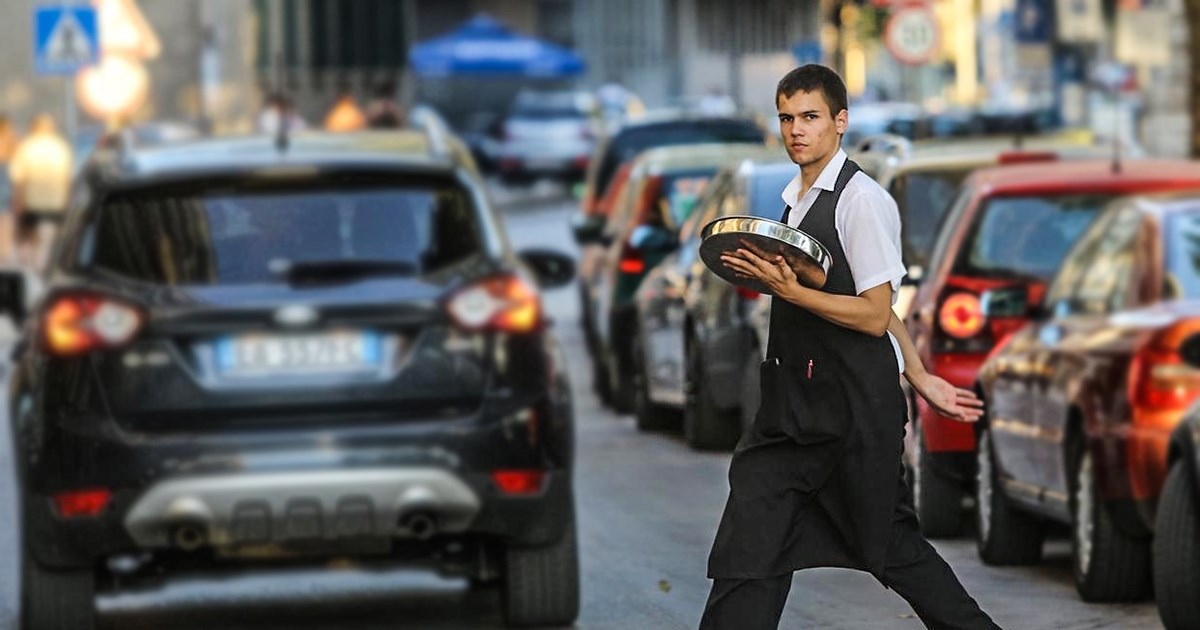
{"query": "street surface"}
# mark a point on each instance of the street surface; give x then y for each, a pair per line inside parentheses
(648, 508)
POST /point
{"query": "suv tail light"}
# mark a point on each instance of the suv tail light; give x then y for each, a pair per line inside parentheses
(747, 294)
(90, 502)
(77, 324)
(1159, 379)
(505, 303)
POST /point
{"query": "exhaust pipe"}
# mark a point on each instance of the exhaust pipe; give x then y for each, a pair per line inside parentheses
(420, 525)
(188, 537)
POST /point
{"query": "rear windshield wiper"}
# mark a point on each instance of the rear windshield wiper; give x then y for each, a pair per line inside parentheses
(340, 269)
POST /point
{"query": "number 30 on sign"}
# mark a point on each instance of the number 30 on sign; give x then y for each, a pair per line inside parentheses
(912, 34)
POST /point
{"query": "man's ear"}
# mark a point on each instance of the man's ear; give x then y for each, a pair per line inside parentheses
(842, 120)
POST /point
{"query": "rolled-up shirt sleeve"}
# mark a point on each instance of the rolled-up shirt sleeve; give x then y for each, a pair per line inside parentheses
(868, 224)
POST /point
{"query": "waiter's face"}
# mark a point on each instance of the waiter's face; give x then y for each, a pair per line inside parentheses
(811, 133)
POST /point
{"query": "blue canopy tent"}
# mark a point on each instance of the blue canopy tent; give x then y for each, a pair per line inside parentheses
(484, 47)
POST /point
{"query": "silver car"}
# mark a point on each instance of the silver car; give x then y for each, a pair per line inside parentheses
(548, 134)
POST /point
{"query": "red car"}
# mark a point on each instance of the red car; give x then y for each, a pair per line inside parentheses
(1010, 226)
(1081, 403)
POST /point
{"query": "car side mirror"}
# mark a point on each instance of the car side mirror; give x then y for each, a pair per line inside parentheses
(915, 274)
(588, 229)
(1005, 302)
(15, 292)
(648, 238)
(552, 269)
(1190, 350)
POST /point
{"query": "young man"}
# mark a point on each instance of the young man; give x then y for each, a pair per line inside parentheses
(818, 480)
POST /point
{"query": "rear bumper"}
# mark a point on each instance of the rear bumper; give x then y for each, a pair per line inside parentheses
(308, 487)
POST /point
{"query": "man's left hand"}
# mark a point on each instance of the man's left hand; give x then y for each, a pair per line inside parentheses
(950, 401)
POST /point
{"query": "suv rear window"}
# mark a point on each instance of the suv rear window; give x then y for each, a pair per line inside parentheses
(1025, 237)
(208, 234)
(632, 141)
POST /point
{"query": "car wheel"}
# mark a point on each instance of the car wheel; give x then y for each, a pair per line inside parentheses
(937, 499)
(1177, 552)
(621, 392)
(541, 585)
(1004, 535)
(705, 426)
(600, 383)
(1109, 565)
(55, 599)
(650, 416)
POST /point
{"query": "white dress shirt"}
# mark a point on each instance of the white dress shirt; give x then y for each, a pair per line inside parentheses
(868, 225)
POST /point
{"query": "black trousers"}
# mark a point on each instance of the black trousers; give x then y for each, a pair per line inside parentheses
(914, 570)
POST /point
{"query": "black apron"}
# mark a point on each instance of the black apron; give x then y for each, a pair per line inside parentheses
(813, 481)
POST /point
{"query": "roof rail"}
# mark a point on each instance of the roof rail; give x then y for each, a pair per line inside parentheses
(426, 119)
(886, 143)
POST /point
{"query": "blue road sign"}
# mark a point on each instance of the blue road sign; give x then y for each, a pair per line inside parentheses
(66, 38)
(1033, 21)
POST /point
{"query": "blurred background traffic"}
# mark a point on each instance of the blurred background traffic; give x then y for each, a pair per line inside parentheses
(399, 303)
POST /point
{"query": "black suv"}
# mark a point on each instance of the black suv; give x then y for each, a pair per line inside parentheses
(250, 352)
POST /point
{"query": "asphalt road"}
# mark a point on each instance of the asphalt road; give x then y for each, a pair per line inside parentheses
(648, 508)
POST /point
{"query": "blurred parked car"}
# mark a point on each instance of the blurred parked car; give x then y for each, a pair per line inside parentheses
(548, 134)
(924, 178)
(642, 230)
(1010, 227)
(1176, 549)
(248, 356)
(692, 331)
(1081, 403)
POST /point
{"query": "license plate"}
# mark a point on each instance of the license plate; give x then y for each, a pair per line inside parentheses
(265, 355)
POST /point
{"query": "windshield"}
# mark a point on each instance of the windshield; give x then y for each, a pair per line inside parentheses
(923, 197)
(1026, 237)
(1183, 254)
(190, 235)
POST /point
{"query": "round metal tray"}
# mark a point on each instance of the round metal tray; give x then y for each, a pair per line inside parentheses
(807, 257)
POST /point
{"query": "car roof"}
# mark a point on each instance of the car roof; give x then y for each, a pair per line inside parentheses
(677, 118)
(402, 149)
(676, 157)
(1073, 174)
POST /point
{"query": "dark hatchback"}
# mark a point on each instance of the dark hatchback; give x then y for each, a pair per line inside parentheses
(248, 356)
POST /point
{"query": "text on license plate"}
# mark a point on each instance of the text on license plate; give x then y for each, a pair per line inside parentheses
(291, 354)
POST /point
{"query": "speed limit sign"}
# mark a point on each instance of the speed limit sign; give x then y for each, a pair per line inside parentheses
(912, 34)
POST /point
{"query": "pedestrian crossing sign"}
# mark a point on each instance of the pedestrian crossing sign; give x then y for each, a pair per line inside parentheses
(66, 38)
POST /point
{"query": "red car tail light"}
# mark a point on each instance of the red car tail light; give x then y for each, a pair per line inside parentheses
(519, 482)
(1159, 379)
(504, 303)
(961, 315)
(631, 262)
(90, 502)
(77, 324)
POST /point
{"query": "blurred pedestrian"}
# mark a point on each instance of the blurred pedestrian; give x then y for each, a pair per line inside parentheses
(345, 115)
(40, 171)
(8, 145)
(277, 110)
(8, 139)
(384, 112)
(817, 480)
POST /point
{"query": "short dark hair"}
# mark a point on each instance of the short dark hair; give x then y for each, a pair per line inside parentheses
(810, 77)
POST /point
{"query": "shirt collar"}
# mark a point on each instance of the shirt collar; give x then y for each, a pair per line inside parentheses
(827, 180)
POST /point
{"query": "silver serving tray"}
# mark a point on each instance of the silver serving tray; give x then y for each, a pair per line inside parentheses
(808, 257)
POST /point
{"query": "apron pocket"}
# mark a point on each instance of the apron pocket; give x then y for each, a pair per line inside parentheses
(801, 401)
